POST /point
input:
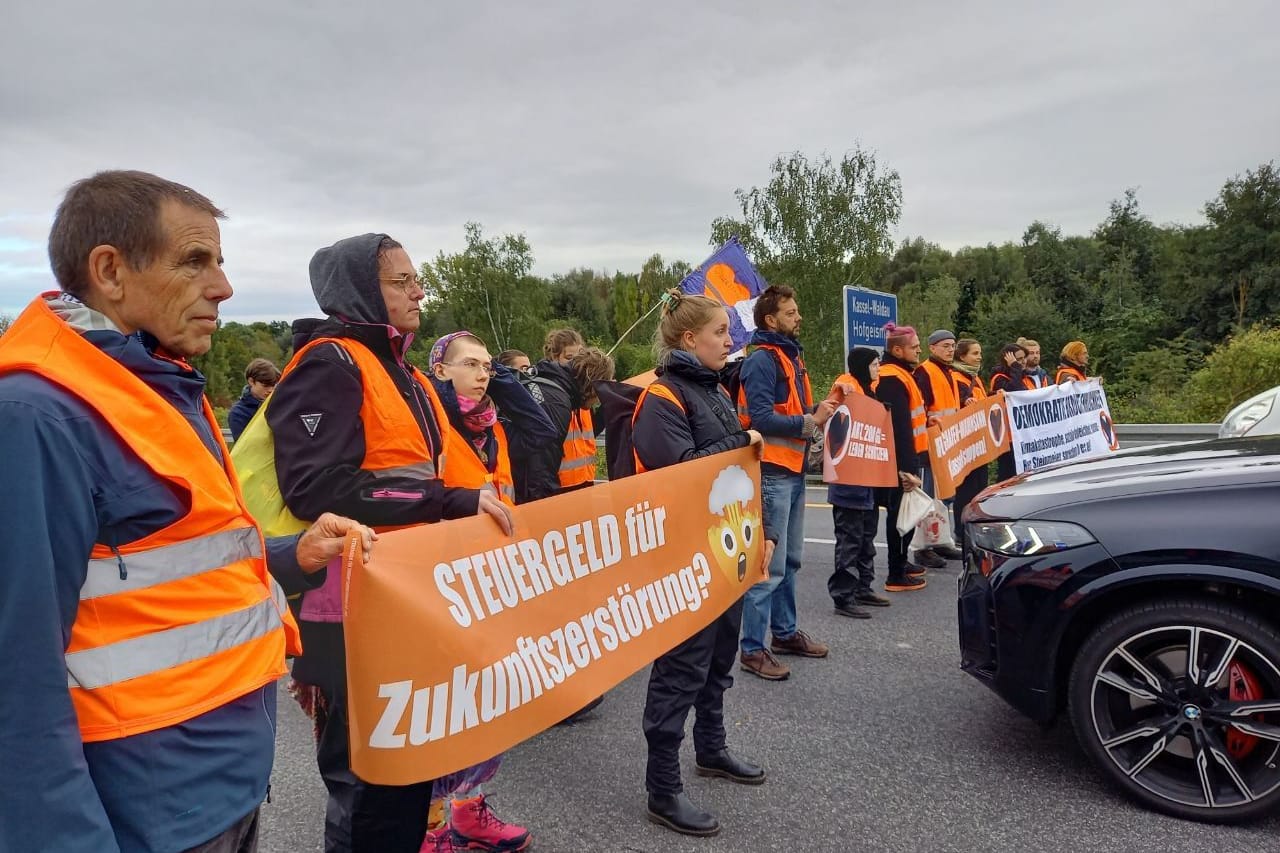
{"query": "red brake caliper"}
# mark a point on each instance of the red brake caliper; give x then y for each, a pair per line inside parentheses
(1242, 686)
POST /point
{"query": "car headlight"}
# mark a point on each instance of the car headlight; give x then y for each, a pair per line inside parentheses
(1026, 538)
(1242, 420)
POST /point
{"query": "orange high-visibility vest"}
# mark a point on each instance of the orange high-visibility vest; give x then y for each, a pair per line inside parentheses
(784, 451)
(849, 380)
(578, 465)
(973, 383)
(919, 435)
(394, 443)
(1028, 383)
(187, 618)
(1068, 374)
(658, 390)
(946, 396)
(468, 472)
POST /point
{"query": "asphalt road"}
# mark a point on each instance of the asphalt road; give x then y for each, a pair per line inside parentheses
(883, 746)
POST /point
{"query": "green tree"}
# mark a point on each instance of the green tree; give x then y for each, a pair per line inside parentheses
(1002, 318)
(929, 305)
(488, 288)
(1243, 249)
(1244, 365)
(5, 322)
(818, 225)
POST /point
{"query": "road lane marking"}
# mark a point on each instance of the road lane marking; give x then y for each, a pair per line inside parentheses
(832, 542)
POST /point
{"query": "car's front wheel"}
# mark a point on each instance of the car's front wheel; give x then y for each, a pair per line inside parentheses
(1178, 702)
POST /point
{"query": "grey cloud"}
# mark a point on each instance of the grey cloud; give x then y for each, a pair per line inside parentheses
(609, 133)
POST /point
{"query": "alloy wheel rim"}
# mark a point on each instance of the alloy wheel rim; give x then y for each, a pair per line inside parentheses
(1163, 712)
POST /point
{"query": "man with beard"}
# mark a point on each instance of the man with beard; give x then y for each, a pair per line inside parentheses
(775, 399)
(1031, 366)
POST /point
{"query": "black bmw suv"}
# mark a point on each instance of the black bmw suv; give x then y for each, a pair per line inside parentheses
(1141, 593)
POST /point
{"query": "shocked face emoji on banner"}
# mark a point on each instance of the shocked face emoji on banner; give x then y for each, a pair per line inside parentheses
(737, 535)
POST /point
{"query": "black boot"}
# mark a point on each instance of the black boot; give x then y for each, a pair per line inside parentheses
(675, 811)
(724, 764)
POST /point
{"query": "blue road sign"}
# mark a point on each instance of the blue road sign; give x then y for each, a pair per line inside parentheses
(865, 314)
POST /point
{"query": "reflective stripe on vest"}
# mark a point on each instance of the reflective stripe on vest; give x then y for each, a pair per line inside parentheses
(103, 666)
(200, 621)
(468, 472)
(784, 451)
(578, 465)
(170, 562)
(658, 390)
(394, 443)
(919, 434)
(946, 394)
(1068, 374)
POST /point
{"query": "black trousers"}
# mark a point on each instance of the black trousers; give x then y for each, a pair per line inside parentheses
(966, 491)
(855, 552)
(360, 817)
(695, 674)
(898, 544)
(1006, 467)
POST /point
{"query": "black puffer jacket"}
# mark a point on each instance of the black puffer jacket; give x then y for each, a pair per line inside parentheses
(665, 435)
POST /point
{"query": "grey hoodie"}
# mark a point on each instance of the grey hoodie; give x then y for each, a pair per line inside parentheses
(344, 279)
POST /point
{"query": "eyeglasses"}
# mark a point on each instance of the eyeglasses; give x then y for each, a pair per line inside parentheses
(404, 283)
(473, 366)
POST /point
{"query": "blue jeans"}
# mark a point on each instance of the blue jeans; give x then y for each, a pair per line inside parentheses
(771, 604)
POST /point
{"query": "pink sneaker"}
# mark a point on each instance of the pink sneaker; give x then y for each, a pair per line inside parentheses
(438, 841)
(476, 827)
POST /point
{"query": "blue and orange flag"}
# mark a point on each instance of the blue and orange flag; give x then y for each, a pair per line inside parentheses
(729, 277)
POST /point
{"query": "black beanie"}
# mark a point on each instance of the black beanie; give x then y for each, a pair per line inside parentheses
(860, 359)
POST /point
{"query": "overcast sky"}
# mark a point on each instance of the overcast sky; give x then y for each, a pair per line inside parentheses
(607, 132)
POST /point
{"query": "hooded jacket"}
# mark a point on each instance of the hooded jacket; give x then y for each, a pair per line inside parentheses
(319, 438)
(164, 790)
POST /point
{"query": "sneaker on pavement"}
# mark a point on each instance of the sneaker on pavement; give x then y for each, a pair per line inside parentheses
(801, 644)
(948, 552)
(764, 665)
(870, 599)
(476, 827)
(930, 560)
(905, 584)
(438, 841)
(851, 609)
(914, 571)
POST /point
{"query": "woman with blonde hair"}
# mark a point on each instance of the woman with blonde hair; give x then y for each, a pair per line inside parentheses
(687, 414)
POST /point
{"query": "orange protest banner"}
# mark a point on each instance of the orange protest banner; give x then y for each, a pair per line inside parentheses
(462, 642)
(858, 444)
(961, 443)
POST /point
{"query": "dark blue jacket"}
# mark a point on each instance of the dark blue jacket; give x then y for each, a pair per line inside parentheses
(69, 484)
(765, 384)
(242, 412)
(708, 424)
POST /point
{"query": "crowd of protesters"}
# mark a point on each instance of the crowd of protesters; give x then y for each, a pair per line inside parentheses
(138, 530)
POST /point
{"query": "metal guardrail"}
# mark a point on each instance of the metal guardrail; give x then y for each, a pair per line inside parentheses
(1143, 435)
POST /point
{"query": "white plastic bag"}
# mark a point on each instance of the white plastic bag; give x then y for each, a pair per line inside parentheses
(934, 528)
(914, 507)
